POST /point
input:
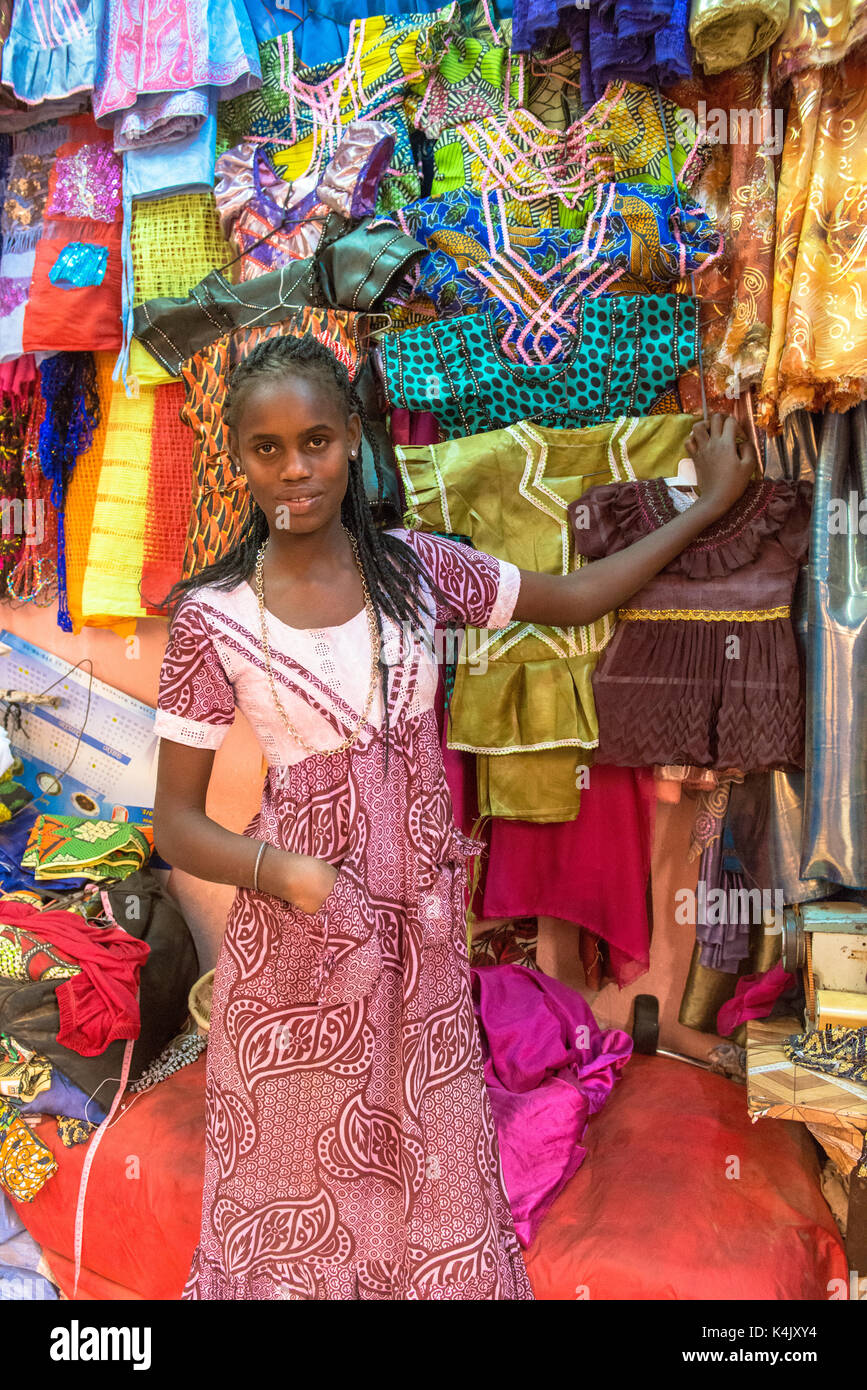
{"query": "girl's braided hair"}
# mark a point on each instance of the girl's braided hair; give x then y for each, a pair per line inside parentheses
(392, 570)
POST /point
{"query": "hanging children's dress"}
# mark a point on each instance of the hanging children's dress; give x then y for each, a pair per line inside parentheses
(622, 137)
(703, 667)
(271, 221)
(522, 699)
(298, 113)
(51, 51)
(158, 59)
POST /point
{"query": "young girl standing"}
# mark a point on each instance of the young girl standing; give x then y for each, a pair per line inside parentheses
(350, 1149)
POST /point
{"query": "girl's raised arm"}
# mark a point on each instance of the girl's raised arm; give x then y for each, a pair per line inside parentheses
(724, 468)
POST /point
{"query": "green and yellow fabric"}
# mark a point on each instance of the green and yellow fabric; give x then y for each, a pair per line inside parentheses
(523, 701)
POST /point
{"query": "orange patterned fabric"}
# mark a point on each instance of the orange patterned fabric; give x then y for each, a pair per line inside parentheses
(221, 502)
(817, 358)
(818, 33)
(26, 1163)
(738, 189)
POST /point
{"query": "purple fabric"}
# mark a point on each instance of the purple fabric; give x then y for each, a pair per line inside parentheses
(548, 1068)
(755, 997)
(63, 1097)
(726, 943)
(629, 40)
(87, 183)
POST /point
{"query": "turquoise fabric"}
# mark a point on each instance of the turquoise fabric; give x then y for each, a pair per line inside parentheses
(79, 264)
(627, 352)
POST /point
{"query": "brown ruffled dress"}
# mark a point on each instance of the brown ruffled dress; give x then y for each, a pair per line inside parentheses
(703, 667)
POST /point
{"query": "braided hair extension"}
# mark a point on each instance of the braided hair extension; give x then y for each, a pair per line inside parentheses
(392, 570)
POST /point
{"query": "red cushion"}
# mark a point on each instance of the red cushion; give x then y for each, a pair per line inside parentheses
(652, 1214)
(139, 1232)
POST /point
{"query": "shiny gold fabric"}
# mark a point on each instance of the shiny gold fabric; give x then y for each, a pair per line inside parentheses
(527, 689)
(544, 786)
(707, 990)
(818, 33)
(727, 33)
(817, 357)
(737, 186)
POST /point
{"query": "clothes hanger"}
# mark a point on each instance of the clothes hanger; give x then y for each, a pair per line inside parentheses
(685, 477)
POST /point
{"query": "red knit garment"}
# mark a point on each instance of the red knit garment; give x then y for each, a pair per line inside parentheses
(101, 1004)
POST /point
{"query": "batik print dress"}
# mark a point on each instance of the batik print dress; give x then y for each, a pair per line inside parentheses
(350, 1149)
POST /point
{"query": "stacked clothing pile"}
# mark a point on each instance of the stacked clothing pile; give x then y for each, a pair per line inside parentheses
(94, 974)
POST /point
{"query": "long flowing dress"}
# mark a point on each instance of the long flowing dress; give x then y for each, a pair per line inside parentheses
(350, 1148)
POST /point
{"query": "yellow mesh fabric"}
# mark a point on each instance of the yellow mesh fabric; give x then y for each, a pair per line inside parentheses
(175, 243)
(81, 497)
(112, 579)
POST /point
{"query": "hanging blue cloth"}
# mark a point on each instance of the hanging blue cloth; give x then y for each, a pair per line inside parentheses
(72, 411)
(320, 28)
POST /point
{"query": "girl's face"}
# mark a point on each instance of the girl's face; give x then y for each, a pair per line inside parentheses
(293, 441)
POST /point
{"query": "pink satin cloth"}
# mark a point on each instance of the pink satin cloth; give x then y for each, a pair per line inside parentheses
(548, 1068)
(17, 377)
(755, 996)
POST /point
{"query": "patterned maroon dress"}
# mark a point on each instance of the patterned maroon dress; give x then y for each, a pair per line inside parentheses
(350, 1149)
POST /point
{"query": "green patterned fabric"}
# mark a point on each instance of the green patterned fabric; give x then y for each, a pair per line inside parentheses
(627, 352)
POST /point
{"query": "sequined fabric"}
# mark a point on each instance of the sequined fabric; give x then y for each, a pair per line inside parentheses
(79, 264)
(13, 293)
(87, 183)
(28, 174)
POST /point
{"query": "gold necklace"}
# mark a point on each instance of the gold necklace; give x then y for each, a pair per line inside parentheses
(373, 628)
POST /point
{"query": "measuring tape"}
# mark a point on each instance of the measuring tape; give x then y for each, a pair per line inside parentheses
(91, 1154)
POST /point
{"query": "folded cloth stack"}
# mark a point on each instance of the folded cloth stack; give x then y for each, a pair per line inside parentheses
(71, 847)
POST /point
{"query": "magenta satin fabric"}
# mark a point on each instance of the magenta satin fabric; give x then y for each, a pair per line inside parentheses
(414, 427)
(548, 1068)
(755, 996)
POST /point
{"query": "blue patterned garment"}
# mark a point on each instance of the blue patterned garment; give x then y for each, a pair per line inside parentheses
(635, 238)
(651, 234)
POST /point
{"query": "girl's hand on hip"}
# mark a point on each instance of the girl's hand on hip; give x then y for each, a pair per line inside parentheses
(300, 879)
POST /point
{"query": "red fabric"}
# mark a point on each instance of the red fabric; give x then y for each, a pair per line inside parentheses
(414, 427)
(659, 1210)
(170, 497)
(140, 1225)
(100, 1005)
(75, 320)
(755, 996)
(17, 376)
(589, 876)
